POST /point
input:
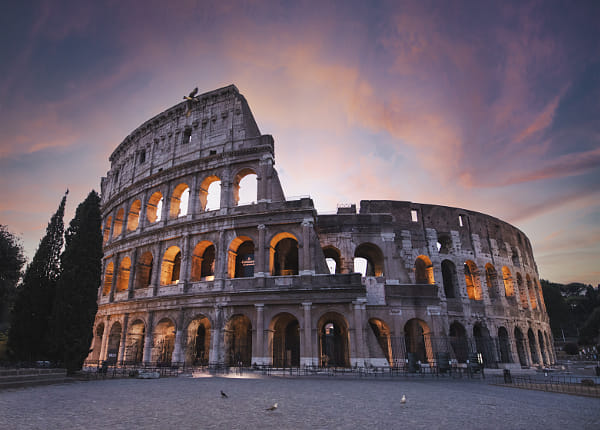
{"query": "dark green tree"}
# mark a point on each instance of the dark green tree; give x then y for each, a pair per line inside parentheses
(12, 260)
(559, 311)
(75, 304)
(590, 332)
(33, 305)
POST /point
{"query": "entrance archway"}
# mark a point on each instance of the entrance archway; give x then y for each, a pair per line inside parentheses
(504, 345)
(417, 336)
(459, 342)
(520, 341)
(134, 351)
(333, 340)
(114, 340)
(484, 345)
(238, 341)
(286, 341)
(198, 342)
(379, 340)
(164, 342)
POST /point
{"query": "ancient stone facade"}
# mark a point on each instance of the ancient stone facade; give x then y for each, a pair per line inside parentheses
(194, 275)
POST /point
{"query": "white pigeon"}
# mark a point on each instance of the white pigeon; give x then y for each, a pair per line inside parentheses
(403, 399)
(272, 408)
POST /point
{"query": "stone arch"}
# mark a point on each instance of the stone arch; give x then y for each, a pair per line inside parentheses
(522, 293)
(459, 342)
(491, 279)
(179, 201)
(540, 293)
(373, 256)
(203, 262)
(334, 341)
(123, 277)
(423, 270)
(133, 217)
(171, 266)
(417, 336)
(238, 341)
(119, 220)
(450, 279)
(284, 340)
(484, 344)
(210, 193)
(472, 280)
(531, 291)
(143, 273)
(114, 341)
(108, 278)
(509, 289)
(106, 232)
(164, 342)
(520, 341)
(197, 352)
(333, 258)
(245, 181)
(241, 258)
(154, 207)
(97, 342)
(504, 344)
(379, 340)
(532, 346)
(136, 335)
(444, 243)
(283, 255)
(544, 353)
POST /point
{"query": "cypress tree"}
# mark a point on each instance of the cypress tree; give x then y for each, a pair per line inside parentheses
(33, 305)
(75, 304)
(12, 261)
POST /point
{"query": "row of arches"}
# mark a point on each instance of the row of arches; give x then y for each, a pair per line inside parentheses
(206, 198)
(283, 260)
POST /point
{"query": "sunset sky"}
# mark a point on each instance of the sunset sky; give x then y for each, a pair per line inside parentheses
(488, 106)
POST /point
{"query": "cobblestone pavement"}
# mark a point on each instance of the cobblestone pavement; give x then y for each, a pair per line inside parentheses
(316, 403)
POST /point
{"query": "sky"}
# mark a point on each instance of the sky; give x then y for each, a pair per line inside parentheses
(492, 106)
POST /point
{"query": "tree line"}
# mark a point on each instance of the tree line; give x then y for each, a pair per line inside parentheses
(54, 305)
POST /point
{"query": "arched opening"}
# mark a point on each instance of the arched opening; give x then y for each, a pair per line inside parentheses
(119, 219)
(154, 207)
(509, 288)
(97, 343)
(373, 256)
(423, 270)
(238, 341)
(164, 342)
(179, 201)
(459, 342)
(210, 193)
(484, 345)
(543, 351)
(134, 351)
(203, 262)
(444, 244)
(491, 279)
(522, 293)
(283, 255)
(520, 341)
(171, 265)
(114, 340)
(245, 189)
(123, 278)
(449, 278)
(417, 337)
(540, 294)
(504, 342)
(472, 280)
(198, 345)
(531, 291)
(133, 218)
(241, 258)
(532, 348)
(106, 232)
(333, 259)
(333, 340)
(108, 278)
(143, 271)
(286, 340)
(379, 341)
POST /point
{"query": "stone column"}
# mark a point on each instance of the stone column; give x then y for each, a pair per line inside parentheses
(216, 352)
(184, 275)
(178, 348)
(156, 268)
(306, 350)
(104, 344)
(147, 357)
(115, 278)
(260, 255)
(121, 355)
(222, 255)
(260, 355)
(131, 284)
(306, 268)
(194, 201)
(143, 220)
(164, 213)
(390, 272)
(360, 351)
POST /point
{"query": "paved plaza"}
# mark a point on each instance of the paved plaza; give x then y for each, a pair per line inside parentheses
(303, 403)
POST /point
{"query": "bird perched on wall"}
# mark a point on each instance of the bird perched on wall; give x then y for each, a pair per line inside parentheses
(403, 399)
(225, 396)
(272, 408)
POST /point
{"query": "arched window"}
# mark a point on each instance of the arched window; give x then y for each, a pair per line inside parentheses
(164, 342)
(118, 228)
(472, 280)
(381, 332)
(449, 278)
(245, 187)
(522, 292)
(203, 262)
(284, 255)
(333, 340)
(108, 278)
(154, 207)
(241, 258)
(491, 279)
(123, 278)
(198, 344)
(143, 271)
(509, 288)
(373, 256)
(133, 218)
(210, 193)
(285, 340)
(333, 259)
(238, 341)
(423, 270)
(531, 291)
(171, 265)
(106, 232)
(179, 201)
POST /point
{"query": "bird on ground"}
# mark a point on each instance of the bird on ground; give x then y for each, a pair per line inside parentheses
(272, 408)
(225, 396)
(403, 399)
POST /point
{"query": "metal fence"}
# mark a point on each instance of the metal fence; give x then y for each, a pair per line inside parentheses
(577, 385)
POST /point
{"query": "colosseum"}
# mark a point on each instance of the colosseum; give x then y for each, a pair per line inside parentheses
(195, 274)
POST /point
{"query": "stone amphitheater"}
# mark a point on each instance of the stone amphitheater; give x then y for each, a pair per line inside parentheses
(195, 275)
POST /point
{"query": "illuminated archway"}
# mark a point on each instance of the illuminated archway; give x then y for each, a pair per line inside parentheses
(164, 342)
(283, 254)
(373, 256)
(472, 280)
(210, 193)
(238, 341)
(241, 258)
(133, 218)
(423, 270)
(119, 219)
(198, 342)
(143, 273)
(154, 207)
(245, 189)
(171, 265)
(124, 271)
(203, 262)
(417, 336)
(108, 278)
(179, 201)
(379, 340)
(134, 350)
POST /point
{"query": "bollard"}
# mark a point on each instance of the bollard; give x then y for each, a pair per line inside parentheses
(507, 377)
